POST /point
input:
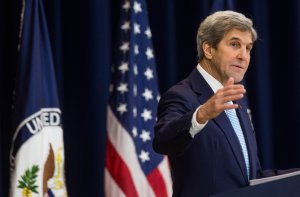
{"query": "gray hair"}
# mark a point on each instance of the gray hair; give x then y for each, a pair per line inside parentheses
(216, 25)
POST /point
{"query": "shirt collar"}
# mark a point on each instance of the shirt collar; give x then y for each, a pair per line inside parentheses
(212, 82)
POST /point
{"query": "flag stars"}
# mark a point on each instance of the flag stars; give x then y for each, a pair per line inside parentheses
(134, 111)
(158, 98)
(123, 67)
(144, 156)
(137, 7)
(135, 90)
(148, 33)
(145, 135)
(126, 6)
(136, 28)
(146, 115)
(134, 131)
(149, 53)
(132, 88)
(136, 49)
(148, 73)
(122, 108)
(135, 70)
(125, 26)
(122, 88)
(124, 47)
(147, 94)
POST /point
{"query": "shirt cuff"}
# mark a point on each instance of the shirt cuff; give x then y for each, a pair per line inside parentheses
(196, 127)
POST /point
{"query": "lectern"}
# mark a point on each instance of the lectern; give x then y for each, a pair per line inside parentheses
(286, 187)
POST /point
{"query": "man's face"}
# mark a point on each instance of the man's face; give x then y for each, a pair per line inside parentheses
(232, 56)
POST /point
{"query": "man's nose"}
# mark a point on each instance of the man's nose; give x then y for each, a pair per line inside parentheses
(243, 53)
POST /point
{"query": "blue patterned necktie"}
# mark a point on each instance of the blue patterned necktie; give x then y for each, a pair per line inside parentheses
(231, 114)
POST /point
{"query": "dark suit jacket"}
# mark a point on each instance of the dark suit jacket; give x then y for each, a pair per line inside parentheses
(212, 161)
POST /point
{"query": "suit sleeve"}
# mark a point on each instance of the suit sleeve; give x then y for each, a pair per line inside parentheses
(172, 136)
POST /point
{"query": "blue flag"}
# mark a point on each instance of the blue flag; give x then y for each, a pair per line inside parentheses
(37, 152)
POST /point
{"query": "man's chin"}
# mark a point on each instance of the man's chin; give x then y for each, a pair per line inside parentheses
(237, 79)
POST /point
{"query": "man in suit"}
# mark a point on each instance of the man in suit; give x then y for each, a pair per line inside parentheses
(203, 124)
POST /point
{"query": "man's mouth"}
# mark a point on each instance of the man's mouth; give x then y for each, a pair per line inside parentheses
(238, 66)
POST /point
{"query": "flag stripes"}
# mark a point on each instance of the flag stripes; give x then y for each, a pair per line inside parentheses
(130, 159)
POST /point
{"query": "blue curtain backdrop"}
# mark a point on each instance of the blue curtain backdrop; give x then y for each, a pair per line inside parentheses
(83, 35)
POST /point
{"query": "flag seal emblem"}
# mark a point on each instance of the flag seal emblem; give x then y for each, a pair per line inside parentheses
(42, 171)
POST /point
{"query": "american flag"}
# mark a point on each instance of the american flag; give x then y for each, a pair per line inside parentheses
(132, 168)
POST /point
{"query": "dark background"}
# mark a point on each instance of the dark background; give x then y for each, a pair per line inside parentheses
(83, 34)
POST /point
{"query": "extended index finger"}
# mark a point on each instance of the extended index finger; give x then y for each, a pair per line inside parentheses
(229, 82)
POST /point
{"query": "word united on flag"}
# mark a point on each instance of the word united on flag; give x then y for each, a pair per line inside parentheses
(132, 168)
(37, 152)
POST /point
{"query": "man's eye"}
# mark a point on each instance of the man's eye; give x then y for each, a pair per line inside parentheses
(235, 44)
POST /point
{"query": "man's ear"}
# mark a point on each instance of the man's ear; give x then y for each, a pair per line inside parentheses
(208, 50)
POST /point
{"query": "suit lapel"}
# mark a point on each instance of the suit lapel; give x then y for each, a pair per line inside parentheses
(201, 87)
